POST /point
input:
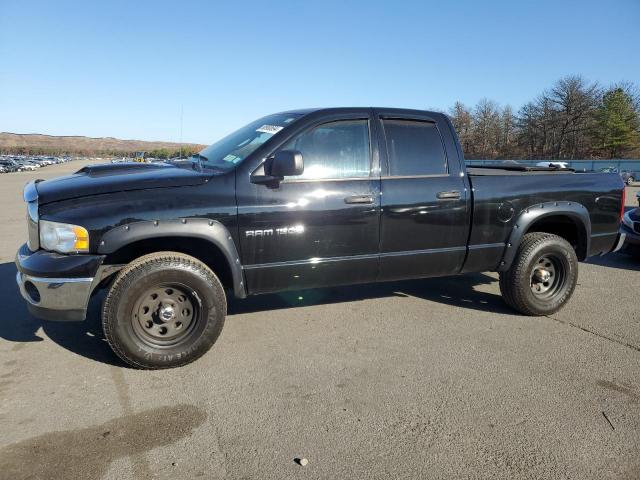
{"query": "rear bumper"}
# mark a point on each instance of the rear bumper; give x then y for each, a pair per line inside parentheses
(57, 287)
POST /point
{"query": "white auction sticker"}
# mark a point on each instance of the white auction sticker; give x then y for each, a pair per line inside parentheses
(272, 129)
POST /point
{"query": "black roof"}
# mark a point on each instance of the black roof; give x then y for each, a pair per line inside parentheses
(406, 111)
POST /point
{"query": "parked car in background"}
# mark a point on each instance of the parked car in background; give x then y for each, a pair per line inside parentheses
(2, 169)
(628, 177)
(631, 229)
(18, 163)
(552, 164)
(27, 165)
(43, 162)
(9, 165)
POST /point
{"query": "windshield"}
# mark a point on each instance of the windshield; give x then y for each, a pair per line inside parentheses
(235, 147)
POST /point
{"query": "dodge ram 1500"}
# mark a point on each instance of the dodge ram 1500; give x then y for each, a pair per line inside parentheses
(297, 200)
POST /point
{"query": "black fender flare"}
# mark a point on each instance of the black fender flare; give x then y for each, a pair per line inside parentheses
(202, 228)
(575, 211)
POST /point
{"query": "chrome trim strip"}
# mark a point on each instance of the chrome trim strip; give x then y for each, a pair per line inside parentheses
(487, 245)
(313, 180)
(423, 252)
(58, 280)
(604, 234)
(310, 261)
(315, 261)
(404, 177)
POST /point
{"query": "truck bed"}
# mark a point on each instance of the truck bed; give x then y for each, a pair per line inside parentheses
(500, 194)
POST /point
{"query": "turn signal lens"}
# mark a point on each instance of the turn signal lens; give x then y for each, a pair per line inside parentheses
(82, 238)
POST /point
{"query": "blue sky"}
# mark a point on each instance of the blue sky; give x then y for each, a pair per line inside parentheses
(125, 69)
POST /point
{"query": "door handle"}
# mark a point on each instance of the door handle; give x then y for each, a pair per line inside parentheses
(451, 195)
(368, 199)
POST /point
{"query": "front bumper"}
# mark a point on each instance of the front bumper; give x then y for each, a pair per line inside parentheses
(60, 299)
(57, 287)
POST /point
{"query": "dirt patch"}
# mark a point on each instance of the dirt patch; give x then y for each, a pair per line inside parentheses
(86, 453)
(633, 396)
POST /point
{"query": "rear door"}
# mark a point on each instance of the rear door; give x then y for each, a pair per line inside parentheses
(424, 214)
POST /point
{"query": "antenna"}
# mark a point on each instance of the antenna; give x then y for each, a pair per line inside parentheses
(181, 115)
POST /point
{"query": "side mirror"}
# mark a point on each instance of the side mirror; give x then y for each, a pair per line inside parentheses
(285, 163)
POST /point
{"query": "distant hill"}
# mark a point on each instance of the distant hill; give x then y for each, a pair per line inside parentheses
(33, 143)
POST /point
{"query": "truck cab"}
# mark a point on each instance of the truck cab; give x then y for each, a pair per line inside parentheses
(367, 207)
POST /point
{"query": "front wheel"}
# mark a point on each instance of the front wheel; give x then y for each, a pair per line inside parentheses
(163, 310)
(543, 275)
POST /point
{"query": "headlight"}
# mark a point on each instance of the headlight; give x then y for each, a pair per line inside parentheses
(626, 219)
(63, 238)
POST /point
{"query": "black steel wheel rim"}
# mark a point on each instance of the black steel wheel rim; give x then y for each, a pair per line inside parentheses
(165, 315)
(548, 276)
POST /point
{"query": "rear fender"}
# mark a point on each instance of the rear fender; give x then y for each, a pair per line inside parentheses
(528, 217)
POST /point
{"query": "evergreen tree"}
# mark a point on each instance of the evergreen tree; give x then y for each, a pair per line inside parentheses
(618, 125)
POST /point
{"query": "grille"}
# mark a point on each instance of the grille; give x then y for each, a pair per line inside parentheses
(33, 235)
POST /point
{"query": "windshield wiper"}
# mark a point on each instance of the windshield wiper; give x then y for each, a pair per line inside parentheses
(201, 165)
(200, 158)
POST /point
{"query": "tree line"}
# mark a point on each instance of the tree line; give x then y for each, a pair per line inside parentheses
(574, 119)
(163, 153)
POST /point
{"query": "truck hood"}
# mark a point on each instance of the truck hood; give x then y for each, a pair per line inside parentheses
(117, 177)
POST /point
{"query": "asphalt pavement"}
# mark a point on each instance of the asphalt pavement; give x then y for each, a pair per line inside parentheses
(434, 378)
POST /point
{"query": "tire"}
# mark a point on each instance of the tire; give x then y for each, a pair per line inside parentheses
(163, 310)
(540, 256)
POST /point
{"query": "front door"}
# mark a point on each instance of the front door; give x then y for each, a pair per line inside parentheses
(424, 220)
(319, 228)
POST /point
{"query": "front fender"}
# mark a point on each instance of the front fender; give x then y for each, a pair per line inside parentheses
(573, 210)
(202, 228)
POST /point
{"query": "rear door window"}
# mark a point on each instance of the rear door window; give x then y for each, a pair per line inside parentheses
(414, 148)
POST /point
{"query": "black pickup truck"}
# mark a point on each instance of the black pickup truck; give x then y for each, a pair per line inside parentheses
(297, 200)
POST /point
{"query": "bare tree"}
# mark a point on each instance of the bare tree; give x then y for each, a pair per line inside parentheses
(463, 123)
(574, 102)
(506, 142)
(486, 128)
(563, 122)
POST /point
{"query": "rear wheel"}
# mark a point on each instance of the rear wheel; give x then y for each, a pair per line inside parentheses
(543, 275)
(163, 310)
